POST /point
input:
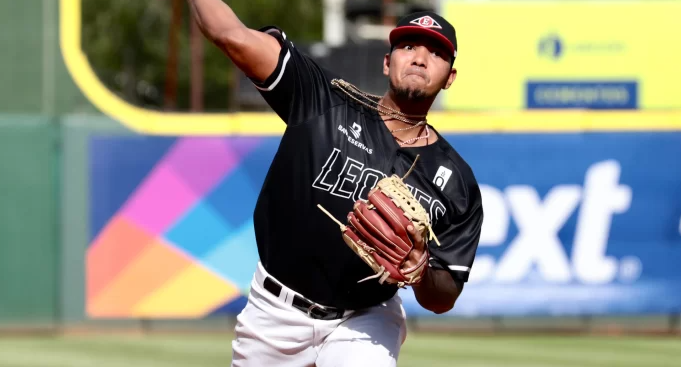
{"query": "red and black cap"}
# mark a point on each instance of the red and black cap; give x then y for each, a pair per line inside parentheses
(429, 24)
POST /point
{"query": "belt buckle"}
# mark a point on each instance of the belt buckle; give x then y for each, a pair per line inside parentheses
(315, 306)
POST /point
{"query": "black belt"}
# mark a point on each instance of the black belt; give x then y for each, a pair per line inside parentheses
(311, 309)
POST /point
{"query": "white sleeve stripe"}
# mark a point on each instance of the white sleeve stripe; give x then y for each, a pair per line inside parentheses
(455, 267)
(274, 30)
(459, 268)
(281, 73)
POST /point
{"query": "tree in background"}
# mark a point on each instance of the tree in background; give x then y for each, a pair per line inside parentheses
(127, 43)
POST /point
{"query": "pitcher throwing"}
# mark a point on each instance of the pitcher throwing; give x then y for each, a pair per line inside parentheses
(324, 297)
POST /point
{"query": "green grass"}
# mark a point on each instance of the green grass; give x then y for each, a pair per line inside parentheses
(420, 350)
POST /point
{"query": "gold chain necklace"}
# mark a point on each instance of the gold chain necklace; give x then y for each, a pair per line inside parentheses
(354, 93)
(412, 140)
(346, 87)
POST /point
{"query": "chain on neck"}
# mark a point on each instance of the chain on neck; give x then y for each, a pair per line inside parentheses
(414, 139)
(371, 101)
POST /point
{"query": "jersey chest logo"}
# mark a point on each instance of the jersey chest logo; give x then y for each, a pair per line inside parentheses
(355, 180)
(355, 131)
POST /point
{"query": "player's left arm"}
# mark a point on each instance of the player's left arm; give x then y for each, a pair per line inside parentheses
(450, 263)
(438, 291)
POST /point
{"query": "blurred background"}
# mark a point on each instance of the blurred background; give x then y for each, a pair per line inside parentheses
(132, 153)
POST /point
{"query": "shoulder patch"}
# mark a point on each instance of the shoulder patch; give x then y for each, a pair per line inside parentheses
(442, 177)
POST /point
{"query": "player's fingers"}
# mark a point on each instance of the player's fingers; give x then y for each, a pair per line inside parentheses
(415, 235)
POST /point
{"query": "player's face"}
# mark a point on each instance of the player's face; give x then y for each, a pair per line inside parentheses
(418, 68)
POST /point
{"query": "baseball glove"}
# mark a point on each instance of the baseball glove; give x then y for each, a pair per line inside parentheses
(390, 232)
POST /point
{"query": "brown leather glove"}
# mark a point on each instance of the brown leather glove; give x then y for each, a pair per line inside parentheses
(389, 231)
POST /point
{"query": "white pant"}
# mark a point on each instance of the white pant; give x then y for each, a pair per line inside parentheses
(271, 332)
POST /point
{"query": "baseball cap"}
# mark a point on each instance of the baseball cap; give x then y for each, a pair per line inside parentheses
(429, 24)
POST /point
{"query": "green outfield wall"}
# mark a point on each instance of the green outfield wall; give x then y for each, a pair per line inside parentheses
(33, 77)
(44, 216)
(28, 220)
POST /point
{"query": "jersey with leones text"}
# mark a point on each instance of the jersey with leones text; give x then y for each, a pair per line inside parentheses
(333, 151)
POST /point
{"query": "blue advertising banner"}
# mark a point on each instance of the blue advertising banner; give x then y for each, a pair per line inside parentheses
(574, 224)
(587, 95)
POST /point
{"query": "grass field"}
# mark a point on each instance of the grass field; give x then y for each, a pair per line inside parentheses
(422, 350)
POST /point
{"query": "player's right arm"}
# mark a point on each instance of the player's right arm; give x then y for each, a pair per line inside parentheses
(291, 83)
(254, 52)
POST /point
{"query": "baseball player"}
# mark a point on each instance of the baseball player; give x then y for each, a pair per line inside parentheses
(308, 305)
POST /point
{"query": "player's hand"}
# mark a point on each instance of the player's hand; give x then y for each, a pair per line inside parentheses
(419, 247)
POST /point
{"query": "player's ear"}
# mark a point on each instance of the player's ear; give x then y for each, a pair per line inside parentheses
(386, 64)
(450, 78)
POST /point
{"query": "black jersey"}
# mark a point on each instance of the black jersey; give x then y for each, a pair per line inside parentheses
(332, 153)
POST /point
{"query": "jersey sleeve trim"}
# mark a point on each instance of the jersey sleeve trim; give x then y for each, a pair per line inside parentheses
(284, 56)
(458, 272)
(459, 268)
(279, 76)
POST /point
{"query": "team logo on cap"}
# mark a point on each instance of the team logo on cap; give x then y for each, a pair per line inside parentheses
(426, 22)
